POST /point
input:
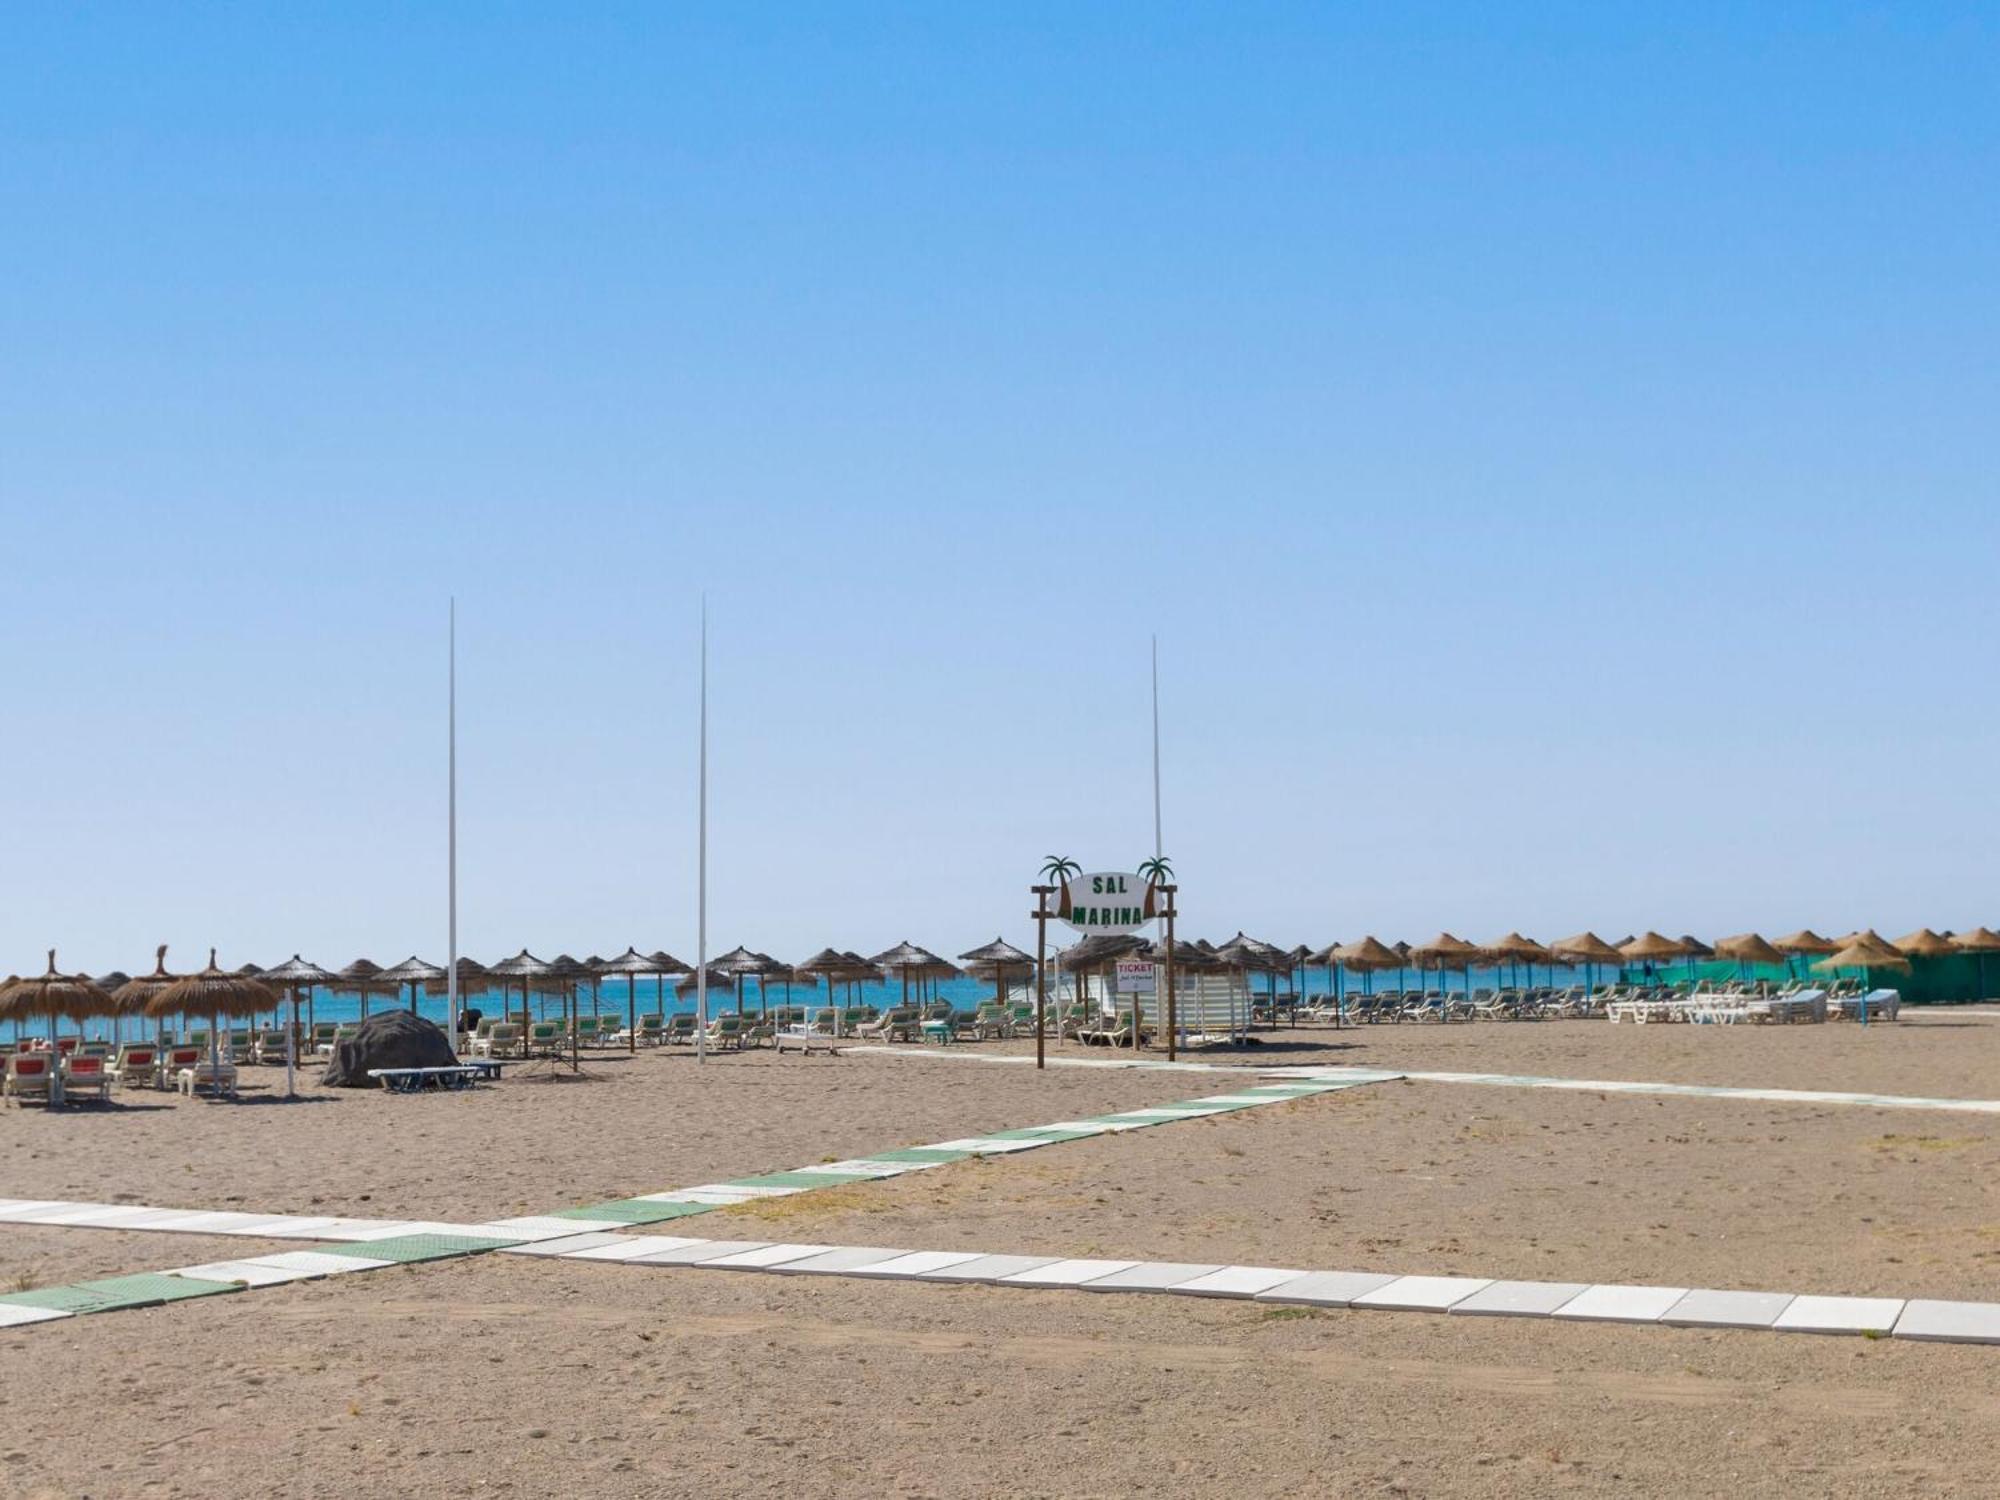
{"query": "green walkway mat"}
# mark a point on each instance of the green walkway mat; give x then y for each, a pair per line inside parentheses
(917, 1154)
(1043, 1133)
(113, 1293)
(803, 1178)
(406, 1248)
(635, 1211)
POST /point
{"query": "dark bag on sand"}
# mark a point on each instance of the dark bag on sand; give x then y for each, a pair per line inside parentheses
(393, 1039)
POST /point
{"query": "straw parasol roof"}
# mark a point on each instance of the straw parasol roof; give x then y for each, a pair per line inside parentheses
(1694, 947)
(132, 995)
(1517, 949)
(523, 965)
(55, 994)
(412, 970)
(1105, 948)
(1586, 948)
(1444, 951)
(631, 961)
(362, 978)
(1805, 940)
(741, 960)
(1187, 957)
(1748, 948)
(1866, 952)
(1923, 943)
(997, 954)
(1253, 953)
(112, 982)
(1368, 953)
(1979, 940)
(1651, 946)
(295, 971)
(831, 963)
(214, 992)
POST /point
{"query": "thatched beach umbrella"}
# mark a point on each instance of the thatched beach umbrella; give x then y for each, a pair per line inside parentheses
(53, 994)
(363, 978)
(997, 958)
(743, 963)
(293, 974)
(133, 994)
(1446, 952)
(1367, 957)
(1979, 942)
(215, 993)
(1650, 950)
(632, 963)
(1747, 948)
(415, 973)
(1588, 949)
(835, 967)
(523, 967)
(1923, 943)
(909, 961)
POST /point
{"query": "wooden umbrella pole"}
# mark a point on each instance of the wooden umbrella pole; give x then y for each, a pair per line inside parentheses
(1041, 914)
(1170, 1015)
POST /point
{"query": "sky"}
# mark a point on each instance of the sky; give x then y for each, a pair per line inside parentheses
(1553, 445)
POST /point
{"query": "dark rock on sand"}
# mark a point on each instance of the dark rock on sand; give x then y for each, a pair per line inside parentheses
(392, 1039)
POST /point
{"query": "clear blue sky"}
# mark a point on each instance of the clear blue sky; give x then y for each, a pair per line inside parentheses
(1555, 445)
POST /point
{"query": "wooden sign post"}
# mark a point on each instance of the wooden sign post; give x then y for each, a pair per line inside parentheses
(1041, 893)
(1167, 1015)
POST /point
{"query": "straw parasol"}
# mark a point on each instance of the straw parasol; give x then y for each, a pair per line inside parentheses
(294, 974)
(1748, 948)
(909, 961)
(996, 958)
(742, 963)
(363, 978)
(1923, 943)
(1445, 952)
(215, 993)
(415, 973)
(54, 994)
(1588, 949)
(632, 963)
(835, 967)
(133, 994)
(1651, 948)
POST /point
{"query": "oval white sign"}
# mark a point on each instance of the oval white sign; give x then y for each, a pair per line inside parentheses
(1107, 904)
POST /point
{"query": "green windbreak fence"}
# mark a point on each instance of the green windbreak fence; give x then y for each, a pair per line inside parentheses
(1930, 981)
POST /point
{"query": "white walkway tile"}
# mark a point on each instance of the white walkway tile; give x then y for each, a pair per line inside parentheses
(241, 1271)
(700, 1250)
(317, 1262)
(984, 1269)
(1067, 1272)
(1621, 1304)
(1238, 1281)
(1423, 1293)
(988, 1146)
(1327, 1288)
(764, 1257)
(844, 1261)
(1840, 1315)
(568, 1245)
(1150, 1276)
(1519, 1299)
(1705, 1307)
(13, 1317)
(1950, 1322)
(630, 1247)
(920, 1264)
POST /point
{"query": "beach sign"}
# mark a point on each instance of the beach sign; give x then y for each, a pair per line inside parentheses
(1109, 904)
(1137, 976)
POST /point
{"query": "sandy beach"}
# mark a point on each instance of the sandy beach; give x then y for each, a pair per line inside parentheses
(648, 1380)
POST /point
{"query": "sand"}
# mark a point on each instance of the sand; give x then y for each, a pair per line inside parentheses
(532, 1377)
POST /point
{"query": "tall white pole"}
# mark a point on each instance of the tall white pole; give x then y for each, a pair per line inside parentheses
(701, 859)
(1159, 846)
(451, 830)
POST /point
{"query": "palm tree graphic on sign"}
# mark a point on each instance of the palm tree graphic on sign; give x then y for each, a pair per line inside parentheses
(1057, 870)
(1157, 871)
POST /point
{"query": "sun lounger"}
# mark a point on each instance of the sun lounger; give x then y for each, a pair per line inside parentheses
(270, 1048)
(219, 1078)
(86, 1076)
(502, 1039)
(418, 1080)
(138, 1066)
(726, 1031)
(681, 1028)
(183, 1055)
(27, 1076)
(802, 1039)
(899, 1023)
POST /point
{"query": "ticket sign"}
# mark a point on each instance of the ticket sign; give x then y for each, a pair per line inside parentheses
(1108, 904)
(1137, 976)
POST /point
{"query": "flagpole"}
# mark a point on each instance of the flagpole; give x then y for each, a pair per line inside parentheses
(701, 861)
(451, 827)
